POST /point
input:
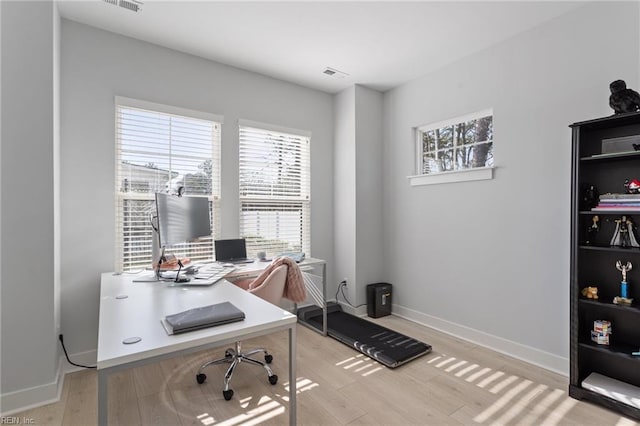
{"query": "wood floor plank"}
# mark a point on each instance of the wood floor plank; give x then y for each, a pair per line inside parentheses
(458, 383)
(123, 400)
(81, 403)
(158, 409)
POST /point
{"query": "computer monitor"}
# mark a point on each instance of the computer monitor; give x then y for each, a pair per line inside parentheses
(181, 219)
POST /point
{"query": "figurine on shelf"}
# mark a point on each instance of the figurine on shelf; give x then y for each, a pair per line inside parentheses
(590, 292)
(590, 196)
(623, 99)
(624, 235)
(593, 230)
(632, 186)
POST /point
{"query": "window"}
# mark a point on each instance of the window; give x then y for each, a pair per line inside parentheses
(457, 145)
(158, 149)
(274, 189)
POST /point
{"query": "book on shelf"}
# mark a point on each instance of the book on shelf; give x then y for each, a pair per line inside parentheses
(600, 208)
(618, 204)
(610, 196)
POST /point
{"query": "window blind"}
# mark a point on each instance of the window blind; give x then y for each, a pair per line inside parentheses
(274, 182)
(158, 150)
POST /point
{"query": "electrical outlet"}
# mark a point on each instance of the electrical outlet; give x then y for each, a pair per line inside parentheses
(345, 282)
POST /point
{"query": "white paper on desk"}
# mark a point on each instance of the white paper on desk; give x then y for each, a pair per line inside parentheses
(202, 317)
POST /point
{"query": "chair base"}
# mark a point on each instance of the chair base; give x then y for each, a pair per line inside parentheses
(235, 357)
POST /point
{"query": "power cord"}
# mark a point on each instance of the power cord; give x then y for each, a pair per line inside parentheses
(340, 289)
(67, 355)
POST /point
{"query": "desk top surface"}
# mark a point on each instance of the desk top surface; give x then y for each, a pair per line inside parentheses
(146, 303)
(249, 269)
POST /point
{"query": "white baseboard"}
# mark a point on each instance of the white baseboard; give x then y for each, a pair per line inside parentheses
(25, 399)
(529, 354)
(359, 312)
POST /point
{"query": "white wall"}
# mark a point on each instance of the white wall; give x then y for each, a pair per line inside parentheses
(358, 191)
(369, 188)
(489, 260)
(96, 66)
(29, 365)
(344, 190)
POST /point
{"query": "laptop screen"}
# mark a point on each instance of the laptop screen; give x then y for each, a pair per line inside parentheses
(229, 250)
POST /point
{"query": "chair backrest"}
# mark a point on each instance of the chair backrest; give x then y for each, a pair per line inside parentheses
(272, 288)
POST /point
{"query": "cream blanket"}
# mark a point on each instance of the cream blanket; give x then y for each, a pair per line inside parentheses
(294, 289)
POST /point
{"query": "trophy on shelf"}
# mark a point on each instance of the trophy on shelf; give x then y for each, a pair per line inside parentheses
(623, 299)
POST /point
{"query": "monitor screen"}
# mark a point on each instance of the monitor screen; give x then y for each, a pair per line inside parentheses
(181, 219)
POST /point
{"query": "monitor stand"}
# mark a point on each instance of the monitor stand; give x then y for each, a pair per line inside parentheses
(157, 254)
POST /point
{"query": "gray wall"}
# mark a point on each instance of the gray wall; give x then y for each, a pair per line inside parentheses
(30, 48)
(344, 190)
(489, 260)
(98, 65)
(358, 191)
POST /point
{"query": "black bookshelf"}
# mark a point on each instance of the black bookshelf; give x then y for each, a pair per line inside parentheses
(593, 262)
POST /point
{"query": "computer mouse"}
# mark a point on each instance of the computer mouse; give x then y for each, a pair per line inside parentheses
(183, 280)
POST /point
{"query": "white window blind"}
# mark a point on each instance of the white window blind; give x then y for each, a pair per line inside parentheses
(159, 149)
(274, 189)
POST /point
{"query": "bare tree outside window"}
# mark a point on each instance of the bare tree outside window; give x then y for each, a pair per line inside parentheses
(456, 145)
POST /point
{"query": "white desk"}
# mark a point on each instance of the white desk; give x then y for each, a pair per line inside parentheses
(139, 314)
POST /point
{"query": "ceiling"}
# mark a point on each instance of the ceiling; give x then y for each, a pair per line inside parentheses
(379, 44)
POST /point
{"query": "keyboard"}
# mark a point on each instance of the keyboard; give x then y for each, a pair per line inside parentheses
(210, 273)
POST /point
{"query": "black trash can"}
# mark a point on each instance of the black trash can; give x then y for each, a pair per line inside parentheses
(378, 300)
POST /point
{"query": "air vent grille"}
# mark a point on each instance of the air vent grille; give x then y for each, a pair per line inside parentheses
(133, 5)
(332, 72)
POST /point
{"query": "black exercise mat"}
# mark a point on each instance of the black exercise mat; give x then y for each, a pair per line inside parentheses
(380, 343)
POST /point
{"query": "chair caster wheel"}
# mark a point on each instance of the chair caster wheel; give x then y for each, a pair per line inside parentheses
(228, 354)
(200, 378)
(228, 394)
(273, 379)
(268, 359)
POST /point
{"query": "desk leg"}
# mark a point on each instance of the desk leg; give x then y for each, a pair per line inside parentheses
(324, 298)
(103, 404)
(292, 375)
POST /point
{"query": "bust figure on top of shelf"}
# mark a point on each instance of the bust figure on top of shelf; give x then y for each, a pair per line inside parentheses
(623, 99)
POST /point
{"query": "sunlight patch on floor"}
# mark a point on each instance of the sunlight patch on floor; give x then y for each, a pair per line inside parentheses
(534, 407)
(502, 401)
(365, 364)
(492, 378)
(266, 409)
(503, 384)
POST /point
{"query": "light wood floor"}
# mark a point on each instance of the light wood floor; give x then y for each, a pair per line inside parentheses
(458, 383)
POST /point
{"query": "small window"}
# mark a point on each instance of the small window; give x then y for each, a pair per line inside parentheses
(456, 145)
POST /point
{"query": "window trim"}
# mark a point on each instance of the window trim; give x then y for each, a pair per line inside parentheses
(465, 175)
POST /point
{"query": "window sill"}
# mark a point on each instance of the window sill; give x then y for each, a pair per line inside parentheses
(481, 173)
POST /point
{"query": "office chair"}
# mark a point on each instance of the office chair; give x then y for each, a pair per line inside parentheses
(271, 290)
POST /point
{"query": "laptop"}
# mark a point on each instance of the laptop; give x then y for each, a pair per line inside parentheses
(202, 317)
(231, 251)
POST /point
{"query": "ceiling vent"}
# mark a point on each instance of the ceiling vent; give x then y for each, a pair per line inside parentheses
(332, 72)
(133, 5)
